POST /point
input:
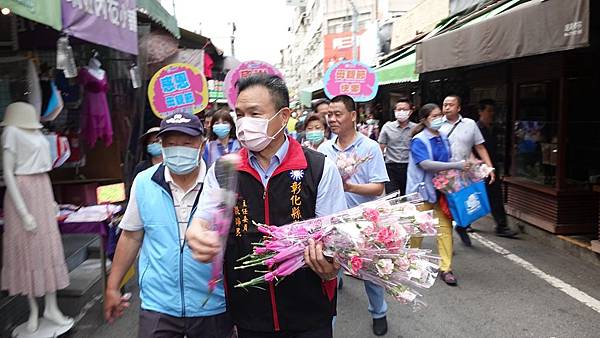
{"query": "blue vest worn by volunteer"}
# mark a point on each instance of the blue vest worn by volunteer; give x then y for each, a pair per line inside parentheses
(417, 179)
(170, 280)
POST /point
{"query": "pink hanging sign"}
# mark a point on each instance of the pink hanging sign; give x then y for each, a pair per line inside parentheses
(177, 88)
(243, 70)
(351, 78)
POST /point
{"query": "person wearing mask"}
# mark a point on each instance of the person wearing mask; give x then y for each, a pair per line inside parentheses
(494, 190)
(394, 141)
(315, 131)
(279, 182)
(364, 186)
(222, 140)
(152, 151)
(173, 286)
(321, 108)
(464, 136)
(429, 154)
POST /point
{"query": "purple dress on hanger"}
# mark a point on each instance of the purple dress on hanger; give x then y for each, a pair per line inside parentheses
(95, 116)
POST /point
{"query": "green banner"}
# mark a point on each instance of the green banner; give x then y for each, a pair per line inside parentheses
(42, 11)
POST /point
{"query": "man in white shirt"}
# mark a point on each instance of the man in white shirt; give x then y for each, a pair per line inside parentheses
(464, 136)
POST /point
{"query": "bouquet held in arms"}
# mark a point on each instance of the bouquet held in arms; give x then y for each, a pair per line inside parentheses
(369, 241)
(348, 163)
(226, 174)
(451, 181)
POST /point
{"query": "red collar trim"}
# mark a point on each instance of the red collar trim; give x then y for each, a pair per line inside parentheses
(293, 160)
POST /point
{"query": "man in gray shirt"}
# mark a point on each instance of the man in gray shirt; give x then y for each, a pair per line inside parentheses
(394, 141)
(464, 137)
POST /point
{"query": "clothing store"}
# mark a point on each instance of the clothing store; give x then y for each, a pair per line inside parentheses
(70, 75)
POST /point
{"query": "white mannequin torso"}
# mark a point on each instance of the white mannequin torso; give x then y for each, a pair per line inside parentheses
(30, 149)
(94, 69)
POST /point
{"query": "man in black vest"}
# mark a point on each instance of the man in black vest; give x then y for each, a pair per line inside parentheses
(279, 183)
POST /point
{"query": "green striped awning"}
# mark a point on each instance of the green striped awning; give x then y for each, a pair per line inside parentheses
(46, 12)
(155, 11)
(403, 69)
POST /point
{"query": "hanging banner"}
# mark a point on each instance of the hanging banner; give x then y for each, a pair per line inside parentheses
(351, 78)
(243, 70)
(46, 12)
(177, 88)
(109, 23)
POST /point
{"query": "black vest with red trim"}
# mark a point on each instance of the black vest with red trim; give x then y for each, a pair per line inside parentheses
(299, 302)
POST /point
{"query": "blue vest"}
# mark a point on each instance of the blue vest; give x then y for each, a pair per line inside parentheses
(419, 180)
(170, 280)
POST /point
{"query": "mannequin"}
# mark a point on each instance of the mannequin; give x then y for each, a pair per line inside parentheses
(30, 211)
(95, 115)
(93, 67)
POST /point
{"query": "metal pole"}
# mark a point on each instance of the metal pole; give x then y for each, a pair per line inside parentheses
(354, 31)
(233, 28)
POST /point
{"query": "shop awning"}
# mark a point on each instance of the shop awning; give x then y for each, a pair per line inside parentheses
(403, 69)
(532, 28)
(155, 11)
(46, 12)
(306, 93)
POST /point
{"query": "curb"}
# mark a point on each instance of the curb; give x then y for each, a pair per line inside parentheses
(575, 247)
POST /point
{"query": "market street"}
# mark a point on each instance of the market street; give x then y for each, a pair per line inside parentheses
(496, 297)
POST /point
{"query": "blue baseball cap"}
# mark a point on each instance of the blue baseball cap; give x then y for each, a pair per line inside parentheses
(185, 123)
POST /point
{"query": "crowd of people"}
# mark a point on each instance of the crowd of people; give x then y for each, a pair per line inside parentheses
(168, 221)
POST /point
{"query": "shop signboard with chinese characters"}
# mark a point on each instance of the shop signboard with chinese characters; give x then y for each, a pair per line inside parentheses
(215, 90)
(243, 70)
(338, 47)
(177, 88)
(111, 23)
(351, 78)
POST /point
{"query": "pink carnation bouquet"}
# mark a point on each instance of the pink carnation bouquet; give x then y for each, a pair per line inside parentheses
(348, 163)
(451, 181)
(369, 241)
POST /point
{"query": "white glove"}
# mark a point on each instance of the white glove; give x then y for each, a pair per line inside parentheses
(29, 222)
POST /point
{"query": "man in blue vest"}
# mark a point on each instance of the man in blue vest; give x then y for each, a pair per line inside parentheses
(279, 183)
(173, 286)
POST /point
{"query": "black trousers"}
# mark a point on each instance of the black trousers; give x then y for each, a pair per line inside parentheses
(494, 192)
(159, 325)
(324, 332)
(397, 174)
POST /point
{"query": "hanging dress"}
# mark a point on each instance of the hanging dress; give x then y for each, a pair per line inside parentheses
(95, 116)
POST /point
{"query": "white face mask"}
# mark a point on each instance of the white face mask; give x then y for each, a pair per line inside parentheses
(402, 115)
(252, 132)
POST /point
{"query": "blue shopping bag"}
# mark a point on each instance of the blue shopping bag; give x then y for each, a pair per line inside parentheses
(469, 204)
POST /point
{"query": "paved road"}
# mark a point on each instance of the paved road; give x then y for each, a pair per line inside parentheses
(507, 288)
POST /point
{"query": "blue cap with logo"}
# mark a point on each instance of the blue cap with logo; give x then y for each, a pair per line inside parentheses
(185, 123)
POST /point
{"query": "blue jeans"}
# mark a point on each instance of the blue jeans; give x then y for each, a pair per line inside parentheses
(377, 304)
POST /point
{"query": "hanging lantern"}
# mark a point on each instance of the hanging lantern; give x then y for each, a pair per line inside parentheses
(134, 73)
(64, 58)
